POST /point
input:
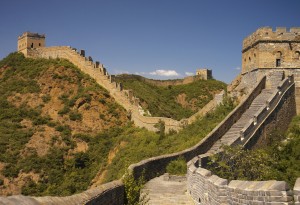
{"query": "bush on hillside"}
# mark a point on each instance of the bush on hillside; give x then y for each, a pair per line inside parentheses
(177, 167)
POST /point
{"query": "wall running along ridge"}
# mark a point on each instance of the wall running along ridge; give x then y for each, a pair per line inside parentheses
(216, 190)
(111, 193)
(155, 166)
(206, 188)
(123, 97)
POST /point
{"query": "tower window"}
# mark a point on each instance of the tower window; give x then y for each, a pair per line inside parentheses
(297, 55)
(278, 62)
(31, 45)
(39, 44)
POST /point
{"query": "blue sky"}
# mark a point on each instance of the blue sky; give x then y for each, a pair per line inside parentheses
(155, 38)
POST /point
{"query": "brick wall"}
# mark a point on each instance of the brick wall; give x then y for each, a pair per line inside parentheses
(100, 74)
(206, 188)
(108, 194)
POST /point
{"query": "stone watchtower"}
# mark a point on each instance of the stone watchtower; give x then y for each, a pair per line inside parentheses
(204, 73)
(268, 49)
(268, 52)
(30, 40)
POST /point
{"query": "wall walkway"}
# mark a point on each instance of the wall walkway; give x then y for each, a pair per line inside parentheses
(124, 97)
(214, 190)
(274, 106)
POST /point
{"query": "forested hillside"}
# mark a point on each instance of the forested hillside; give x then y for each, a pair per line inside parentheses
(173, 101)
(61, 133)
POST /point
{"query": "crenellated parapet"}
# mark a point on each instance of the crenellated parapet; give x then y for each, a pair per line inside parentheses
(281, 34)
(126, 98)
(268, 49)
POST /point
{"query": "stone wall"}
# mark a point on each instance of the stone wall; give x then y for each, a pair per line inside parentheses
(274, 116)
(108, 194)
(123, 97)
(297, 192)
(163, 83)
(215, 190)
(270, 49)
(206, 188)
(251, 77)
(155, 166)
(204, 73)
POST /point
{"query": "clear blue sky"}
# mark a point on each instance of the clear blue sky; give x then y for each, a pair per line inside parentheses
(138, 36)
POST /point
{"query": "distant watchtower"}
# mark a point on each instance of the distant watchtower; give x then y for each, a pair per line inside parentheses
(30, 40)
(204, 73)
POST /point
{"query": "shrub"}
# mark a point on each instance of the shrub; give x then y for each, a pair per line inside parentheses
(177, 167)
(235, 163)
(64, 111)
(46, 98)
(74, 116)
(133, 190)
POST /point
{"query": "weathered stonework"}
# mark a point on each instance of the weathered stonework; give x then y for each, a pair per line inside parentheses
(123, 97)
(204, 187)
(204, 73)
(270, 49)
(111, 193)
(30, 40)
(208, 189)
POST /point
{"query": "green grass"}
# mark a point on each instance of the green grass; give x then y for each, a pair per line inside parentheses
(61, 175)
(161, 101)
(177, 167)
(142, 144)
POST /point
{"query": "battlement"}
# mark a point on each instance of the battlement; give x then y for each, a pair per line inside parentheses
(33, 35)
(30, 40)
(204, 73)
(267, 34)
(268, 49)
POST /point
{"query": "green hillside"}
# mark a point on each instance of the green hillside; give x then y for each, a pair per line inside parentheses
(176, 102)
(60, 132)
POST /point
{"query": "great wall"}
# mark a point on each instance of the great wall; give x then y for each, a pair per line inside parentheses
(271, 82)
(123, 97)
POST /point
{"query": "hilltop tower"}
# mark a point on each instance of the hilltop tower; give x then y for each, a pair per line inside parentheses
(30, 40)
(273, 54)
(268, 49)
(204, 73)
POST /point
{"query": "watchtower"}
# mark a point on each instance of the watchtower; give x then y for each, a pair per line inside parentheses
(204, 73)
(268, 49)
(30, 40)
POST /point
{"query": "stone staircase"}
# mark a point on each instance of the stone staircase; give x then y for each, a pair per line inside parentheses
(273, 78)
(234, 132)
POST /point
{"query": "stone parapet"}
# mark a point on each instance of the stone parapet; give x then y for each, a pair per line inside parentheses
(267, 34)
(123, 97)
(297, 192)
(108, 194)
(208, 189)
(157, 165)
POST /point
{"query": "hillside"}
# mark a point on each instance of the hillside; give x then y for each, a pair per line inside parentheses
(61, 133)
(46, 107)
(173, 101)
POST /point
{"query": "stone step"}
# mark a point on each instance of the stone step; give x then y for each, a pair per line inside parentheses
(234, 132)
